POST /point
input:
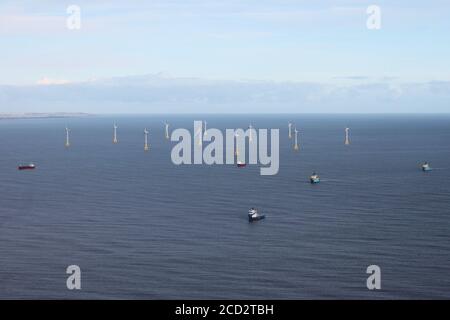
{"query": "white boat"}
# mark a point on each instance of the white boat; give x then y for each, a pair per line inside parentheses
(241, 164)
(314, 178)
(253, 215)
(426, 167)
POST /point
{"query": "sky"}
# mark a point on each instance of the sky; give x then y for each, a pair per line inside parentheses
(322, 49)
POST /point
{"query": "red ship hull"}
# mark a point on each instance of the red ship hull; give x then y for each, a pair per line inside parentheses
(26, 167)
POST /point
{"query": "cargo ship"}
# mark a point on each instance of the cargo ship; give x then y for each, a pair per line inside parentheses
(30, 166)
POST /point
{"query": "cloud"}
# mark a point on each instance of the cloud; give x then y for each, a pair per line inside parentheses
(352, 78)
(47, 81)
(25, 23)
(161, 93)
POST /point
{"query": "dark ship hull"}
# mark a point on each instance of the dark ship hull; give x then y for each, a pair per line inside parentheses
(27, 167)
(257, 218)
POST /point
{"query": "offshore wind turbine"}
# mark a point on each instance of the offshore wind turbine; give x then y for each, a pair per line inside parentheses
(290, 130)
(236, 136)
(347, 136)
(67, 144)
(146, 146)
(115, 133)
(166, 130)
(205, 134)
(250, 136)
(296, 140)
(199, 134)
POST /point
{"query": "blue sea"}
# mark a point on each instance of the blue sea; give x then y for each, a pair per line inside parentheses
(141, 227)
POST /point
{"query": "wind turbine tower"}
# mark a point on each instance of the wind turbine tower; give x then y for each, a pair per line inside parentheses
(115, 134)
(146, 146)
(167, 130)
(347, 137)
(296, 140)
(199, 134)
(205, 134)
(67, 144)
(236, 136)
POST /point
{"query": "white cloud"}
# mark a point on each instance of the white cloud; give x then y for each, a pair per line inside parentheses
(47, 81)
(19, 23)
(158, 93)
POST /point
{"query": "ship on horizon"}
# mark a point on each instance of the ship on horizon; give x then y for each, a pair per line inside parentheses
(29, 166)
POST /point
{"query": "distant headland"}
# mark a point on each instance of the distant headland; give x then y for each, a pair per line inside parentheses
(33, 115)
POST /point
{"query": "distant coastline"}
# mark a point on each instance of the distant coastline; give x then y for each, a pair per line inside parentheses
(37, 115)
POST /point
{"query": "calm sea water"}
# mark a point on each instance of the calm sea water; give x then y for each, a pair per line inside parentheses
(141, 227)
